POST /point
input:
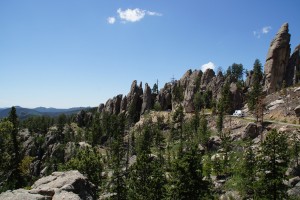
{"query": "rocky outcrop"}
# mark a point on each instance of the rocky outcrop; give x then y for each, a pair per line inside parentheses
(297, 111)
(206, 78)
(184, 80)
(191, 87)
(100, 108)
(293, 69)
(250, 131)
(117, 104)
(147, 99)
(124, 104)
(237, 96)
(164, 97)
(83, 118)
(135, 99)
(277, 59)
(113, 106)
(216, 84)
(59, 185)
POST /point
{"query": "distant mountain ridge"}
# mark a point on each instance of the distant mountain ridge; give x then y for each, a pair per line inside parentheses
(24, 113)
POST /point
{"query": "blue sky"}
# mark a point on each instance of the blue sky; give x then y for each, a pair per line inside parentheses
(80, 53)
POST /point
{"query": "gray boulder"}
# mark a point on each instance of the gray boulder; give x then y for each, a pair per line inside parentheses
(277, 59)
(297, 111)
(59, 185)
(250, 131)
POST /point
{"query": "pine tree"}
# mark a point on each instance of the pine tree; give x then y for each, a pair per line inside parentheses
(16, 158)
(146, 177)
(256, 89)
(187, 176)
(248, 171)
(272, 165)
(118, 152)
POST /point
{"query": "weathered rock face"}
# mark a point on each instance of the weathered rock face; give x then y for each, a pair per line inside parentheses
(100, 108)
(184, 80)
(113, 106)
(190, 90)
(297, 111)
(277, 59)
(250, 131)
(216, 84)
(147, 99)
(237, 96)
(124, 104)
(206, 78)
(135, 97)
(59, 185)
(292, 72)
(249, 79)
(164, 97)
(117, 104)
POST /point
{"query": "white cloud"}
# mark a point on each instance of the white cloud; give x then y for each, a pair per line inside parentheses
(209, 65)
(111, 20)
(266, 29)
(135, 15)
(153, 13)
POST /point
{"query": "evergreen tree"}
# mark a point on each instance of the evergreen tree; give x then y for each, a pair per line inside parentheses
(6, 151)
(118, 152)
(256, 88)
(146, 177)
(88, 162)
(203, 131)
(237, 71)
(16, 157)
(226, 98)
(187, 176)
(272, 166)
(248, 171)
(155, 88)
(220, 117)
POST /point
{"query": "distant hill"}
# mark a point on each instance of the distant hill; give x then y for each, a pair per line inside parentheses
(24, 113)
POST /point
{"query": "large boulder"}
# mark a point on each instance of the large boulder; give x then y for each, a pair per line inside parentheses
(250, 131)
(297, 111)
(147, 99)
(59, 185)
(277, 59)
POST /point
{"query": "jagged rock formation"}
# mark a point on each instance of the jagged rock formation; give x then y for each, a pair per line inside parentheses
(216, 84)
(164, 97)
(237, 96)
(191, 86)
(134, 97)
(147, 99)
(292, 75)
(277, 59)
(207, 77)
(124, 104)
(59, 185)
